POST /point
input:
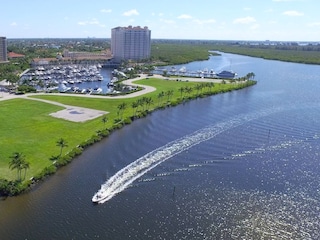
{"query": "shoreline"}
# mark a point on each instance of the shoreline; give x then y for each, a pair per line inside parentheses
(23, 186)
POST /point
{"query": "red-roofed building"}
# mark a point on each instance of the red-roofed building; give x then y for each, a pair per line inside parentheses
(15, 55)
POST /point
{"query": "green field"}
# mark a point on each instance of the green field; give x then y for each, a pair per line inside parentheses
(26, 126)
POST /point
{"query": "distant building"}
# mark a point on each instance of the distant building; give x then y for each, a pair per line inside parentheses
(130, 43)
(3, 49)
(103, 55)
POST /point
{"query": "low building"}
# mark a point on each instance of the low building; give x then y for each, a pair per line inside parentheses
(67, 57)
(87, 55)
(15, 55)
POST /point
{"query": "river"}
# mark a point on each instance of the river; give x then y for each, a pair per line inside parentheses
(240, 165)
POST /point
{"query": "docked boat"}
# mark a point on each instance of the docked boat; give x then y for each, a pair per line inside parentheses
(226, 74)
(97, 90)
(183, 69)
(110, 84)
(63, 88)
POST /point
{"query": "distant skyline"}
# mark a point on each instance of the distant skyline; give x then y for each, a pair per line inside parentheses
(274, 20)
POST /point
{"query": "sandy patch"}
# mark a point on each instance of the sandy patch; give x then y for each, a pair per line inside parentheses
(78, 114)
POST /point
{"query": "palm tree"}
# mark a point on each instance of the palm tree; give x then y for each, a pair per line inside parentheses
(210, 86)
(160, 96)
(140, 103)
(149, 101)
(134, 106)
(181, 89)
(121, 108)
(197, 88)
(17, 162)
(61, 143)
(169, 93)
(143, 103)
(188, 90)
(25, 165)
(250, 75)
(104, 120)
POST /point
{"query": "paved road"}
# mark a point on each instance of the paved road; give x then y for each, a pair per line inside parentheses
(146, 89)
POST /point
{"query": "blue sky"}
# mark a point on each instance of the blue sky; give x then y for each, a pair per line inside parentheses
(275, 20)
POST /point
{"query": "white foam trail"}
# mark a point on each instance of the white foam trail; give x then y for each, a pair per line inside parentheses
(127, 175)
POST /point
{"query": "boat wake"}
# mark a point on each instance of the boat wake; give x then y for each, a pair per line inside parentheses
(127, 175)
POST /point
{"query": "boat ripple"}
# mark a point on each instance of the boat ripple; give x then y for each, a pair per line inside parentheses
(127, 175)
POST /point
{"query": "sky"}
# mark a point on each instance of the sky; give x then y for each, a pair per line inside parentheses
(274, 20)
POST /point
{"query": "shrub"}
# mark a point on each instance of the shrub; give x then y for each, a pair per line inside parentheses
(49, 170)
(105, 133)
(26, 89)
(12, 188)
(96, 138)
(75, 152)
(4, 187)
(127, 121)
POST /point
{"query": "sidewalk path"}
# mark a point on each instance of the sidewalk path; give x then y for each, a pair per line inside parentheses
(80, 114)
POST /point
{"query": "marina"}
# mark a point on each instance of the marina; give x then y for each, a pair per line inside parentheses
(76, 78)
(93, 79)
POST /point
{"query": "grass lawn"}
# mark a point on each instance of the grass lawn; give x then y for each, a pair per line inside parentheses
(26, 126)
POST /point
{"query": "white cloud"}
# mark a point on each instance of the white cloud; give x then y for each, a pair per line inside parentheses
(184, 16)
(314, 24)
(93, 21)
(245, 20)
(255, 26)
(293, 13)
(167, 21)
(157, 14)
(207, 21)
(106, 10)
(247, 9)
(13, 24)
(130, 13)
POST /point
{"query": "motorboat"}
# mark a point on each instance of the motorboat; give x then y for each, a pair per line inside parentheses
(99, 196)
(226, 74)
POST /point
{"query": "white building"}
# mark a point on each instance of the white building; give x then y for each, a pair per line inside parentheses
(130, 43)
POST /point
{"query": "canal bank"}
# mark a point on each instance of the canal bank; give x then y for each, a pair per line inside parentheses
(82, 114)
